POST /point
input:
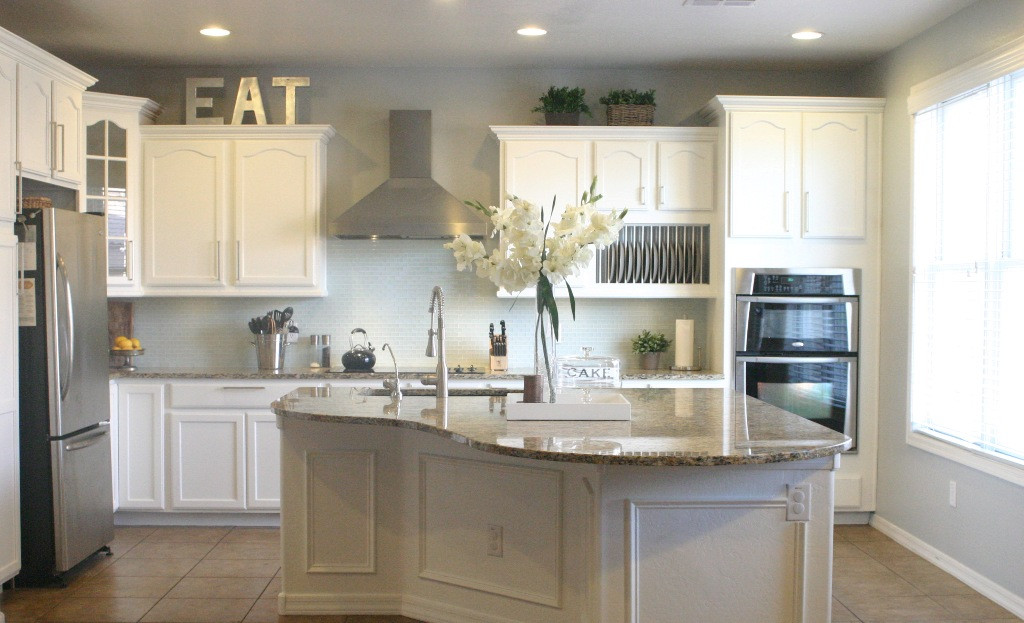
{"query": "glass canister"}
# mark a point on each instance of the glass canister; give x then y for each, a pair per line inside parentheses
(588, 371)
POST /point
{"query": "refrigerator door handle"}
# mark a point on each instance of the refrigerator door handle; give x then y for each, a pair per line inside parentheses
(66, 326)
(86, 442)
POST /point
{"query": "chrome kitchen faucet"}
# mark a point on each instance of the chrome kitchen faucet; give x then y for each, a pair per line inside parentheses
(440, 379)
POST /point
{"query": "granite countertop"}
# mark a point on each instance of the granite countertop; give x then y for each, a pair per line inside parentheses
(339, 374)
(697, 427)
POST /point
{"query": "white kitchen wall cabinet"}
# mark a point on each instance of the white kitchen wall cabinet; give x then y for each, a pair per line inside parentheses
(113, 181)
(49, 134)
(140, 431)
(8, 134)
(664, 176)
(251, 201)
(803, 167)
(10, 507)
(207, 460)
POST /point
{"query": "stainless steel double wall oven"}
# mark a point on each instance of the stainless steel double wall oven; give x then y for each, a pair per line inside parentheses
(796, 341)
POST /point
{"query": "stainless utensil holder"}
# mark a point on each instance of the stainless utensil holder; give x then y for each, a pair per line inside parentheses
(270, 350)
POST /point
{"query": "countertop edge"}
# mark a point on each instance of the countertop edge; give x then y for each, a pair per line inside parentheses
(570, 457)
(309, 374)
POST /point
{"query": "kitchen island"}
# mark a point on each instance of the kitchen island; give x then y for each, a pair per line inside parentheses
(707, 506)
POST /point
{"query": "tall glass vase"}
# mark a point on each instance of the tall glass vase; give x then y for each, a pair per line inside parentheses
(544, 354)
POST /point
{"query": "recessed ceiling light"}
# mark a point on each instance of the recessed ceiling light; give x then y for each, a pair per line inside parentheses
(806, 35)
(215, 31)
(531, 31)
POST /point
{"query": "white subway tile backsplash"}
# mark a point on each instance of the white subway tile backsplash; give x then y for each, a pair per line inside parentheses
(384, 287)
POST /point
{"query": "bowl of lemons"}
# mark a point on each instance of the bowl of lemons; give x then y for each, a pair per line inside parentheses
(126, 348)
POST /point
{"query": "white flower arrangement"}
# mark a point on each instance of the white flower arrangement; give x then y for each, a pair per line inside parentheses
(536, 251)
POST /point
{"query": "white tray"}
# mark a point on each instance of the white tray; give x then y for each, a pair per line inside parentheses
(573, 405)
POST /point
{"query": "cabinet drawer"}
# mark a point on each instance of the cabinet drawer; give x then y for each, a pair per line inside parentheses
(228, 394)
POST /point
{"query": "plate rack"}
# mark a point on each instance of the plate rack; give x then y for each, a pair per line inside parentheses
(653, 254)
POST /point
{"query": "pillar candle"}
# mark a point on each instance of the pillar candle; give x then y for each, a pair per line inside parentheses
(684, 343)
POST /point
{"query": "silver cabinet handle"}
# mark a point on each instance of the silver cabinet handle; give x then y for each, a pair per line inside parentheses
(64, 377)
(217, 251)
(661, 195)
(129, 260)
(243, 387)
(785, 211)
(53, 146)
(238, 260)
(803, 211)
(642, 193)
(63, 148)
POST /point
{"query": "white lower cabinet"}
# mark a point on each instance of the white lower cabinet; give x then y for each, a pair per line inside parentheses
(140, 441)
(198, 445)
(262, 461)
(207, 460)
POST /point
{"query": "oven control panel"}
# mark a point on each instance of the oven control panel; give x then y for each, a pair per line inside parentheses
(796, 285)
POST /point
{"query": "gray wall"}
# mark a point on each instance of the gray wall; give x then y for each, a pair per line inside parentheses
(383, 287)
(986, 530)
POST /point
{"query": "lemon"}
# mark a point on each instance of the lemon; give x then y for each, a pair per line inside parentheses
(136, 344)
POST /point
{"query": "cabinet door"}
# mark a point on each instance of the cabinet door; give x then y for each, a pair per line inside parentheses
(686, 175)
(8, 128)
(276, 206)
(68, 126)
(185, 200)
(764, 173)
(140, 446)
(541, 170)
(623, 170)
(10, 506)
(207, 460)
(835, 175)
(34, 132)
(262, 461)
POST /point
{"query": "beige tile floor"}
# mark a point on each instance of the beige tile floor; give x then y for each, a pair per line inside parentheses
(222, 575)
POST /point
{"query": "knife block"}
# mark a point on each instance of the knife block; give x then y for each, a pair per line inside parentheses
(499, 364)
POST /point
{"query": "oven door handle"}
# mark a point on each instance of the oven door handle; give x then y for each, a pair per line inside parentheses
(797, 300)
(755, 359)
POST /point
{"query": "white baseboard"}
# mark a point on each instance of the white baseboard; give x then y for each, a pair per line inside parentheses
(389, 604)
(1011, 601)
(340, 603)
(164, 518)
(438, 612)
(846, 518)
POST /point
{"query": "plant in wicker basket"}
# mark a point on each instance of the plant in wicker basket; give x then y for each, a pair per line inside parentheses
(629, 107)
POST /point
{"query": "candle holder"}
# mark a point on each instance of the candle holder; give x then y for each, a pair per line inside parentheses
(699, 360)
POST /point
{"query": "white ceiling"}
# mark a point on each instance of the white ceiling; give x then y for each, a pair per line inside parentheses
(473, 33)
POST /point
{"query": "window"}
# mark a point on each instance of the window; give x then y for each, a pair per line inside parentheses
(967, 325)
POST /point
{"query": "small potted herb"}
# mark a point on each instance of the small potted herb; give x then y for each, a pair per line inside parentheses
(650, 346)
(563, 105)
(629, 107)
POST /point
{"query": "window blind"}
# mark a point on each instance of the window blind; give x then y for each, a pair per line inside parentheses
(967, 327)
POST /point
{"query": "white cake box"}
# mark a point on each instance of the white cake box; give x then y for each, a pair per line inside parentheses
(573, 405)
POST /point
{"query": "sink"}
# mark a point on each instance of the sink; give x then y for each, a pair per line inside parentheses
(429, 391)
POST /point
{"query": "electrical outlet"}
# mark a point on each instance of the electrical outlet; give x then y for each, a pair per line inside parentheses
(952, 493)
(798, 502)
(495, 540)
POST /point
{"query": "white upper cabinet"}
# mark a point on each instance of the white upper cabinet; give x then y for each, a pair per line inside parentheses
(113, 181)
(250, 201)
(49, 134)
(8, 134)
(800, 167)
(663, 176)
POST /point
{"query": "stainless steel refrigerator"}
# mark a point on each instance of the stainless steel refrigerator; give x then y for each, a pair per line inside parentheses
(66, 498)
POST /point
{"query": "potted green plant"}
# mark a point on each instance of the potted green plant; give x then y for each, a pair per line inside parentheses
(563, 105)
(629, 107)
(650, 346)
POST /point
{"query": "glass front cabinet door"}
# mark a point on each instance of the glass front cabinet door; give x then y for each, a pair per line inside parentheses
(113, 177)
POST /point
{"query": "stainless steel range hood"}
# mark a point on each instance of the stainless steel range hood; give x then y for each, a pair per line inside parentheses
(409, 204)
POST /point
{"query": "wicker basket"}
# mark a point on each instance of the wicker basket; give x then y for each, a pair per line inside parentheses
(33, 203)
(630, 114)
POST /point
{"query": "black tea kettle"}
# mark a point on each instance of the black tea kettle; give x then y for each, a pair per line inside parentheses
(359, 357)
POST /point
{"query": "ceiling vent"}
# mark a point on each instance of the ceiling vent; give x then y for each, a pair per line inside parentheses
(718, 2)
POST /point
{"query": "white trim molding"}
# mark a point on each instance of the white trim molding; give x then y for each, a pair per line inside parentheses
(974, 73)
(358, 466)
(1011, 601)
